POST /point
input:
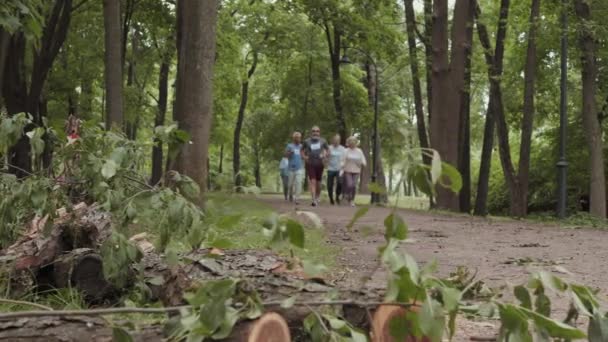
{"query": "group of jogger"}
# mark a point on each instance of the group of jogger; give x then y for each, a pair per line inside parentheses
(311, 157)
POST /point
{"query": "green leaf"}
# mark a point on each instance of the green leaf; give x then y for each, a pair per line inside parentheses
(295, 232)
(436, 168)
(230, 319)
(121, 335)
(523, 295)
(213, 315)
(289, 302)
(598, 328)
(419, 175)
(376, 188)
(359, 214)
(109, 169)
(399, 328)
(157, 281)
(357, 336)
(554, 328)
(432, 320)
(451, 298)
(450, 178)
(395, 227)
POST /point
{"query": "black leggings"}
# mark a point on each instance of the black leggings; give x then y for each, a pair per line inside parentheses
(334, 176)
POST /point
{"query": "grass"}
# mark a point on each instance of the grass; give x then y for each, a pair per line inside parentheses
(248, 232)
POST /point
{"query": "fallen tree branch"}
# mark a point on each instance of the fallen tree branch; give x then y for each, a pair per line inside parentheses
(169, 309)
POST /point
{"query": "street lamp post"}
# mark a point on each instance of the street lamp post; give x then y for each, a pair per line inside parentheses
(562, 164)
(375, 197)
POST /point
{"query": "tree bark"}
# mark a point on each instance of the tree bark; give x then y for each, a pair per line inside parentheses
(236, 147)
(18, 98)
(5, 39)
(418, 104)
(448, 82)
(428, 54)
(464, 132)
(593, 129)
(494, 61)
(194, 86)
(113, 65)
(334, 44)
(517, 195)
(159, 120)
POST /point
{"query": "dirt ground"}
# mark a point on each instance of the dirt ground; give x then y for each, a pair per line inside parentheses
(501, 252)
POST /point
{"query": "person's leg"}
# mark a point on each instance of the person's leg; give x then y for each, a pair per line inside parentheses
(291, 182)
(285, 179)
(319, 176)
(339, 181)
(299, 175)
(355, 179)
(347, 186)
(331, 175)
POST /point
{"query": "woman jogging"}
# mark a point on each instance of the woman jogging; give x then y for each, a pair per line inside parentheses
(352, 162)
(334, 165)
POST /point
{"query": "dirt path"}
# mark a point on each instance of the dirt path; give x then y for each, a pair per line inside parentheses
(502, 252)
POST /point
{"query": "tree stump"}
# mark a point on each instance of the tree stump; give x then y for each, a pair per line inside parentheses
(381, 324)
(271, 327)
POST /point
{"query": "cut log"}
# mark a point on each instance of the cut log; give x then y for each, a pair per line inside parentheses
(82, 227)
(271, 327)
(69, 329)
(382, 320)
(81, 269)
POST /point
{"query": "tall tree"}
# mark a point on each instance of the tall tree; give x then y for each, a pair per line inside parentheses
(159, 119)
(517, 182)
(236, 147)
(591, 123)
(494, 61)
(333, 34)
(447, 84)
(410, 21)
(197, 37)
(21, 95)
(113, 64)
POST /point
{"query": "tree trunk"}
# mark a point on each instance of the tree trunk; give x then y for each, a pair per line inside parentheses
(236, 147)
(159, 120)
(194, 86)
(131, 119)
(334, 46)
(428, 54)
(418, 105)
(464, 132)
(220, 167)
(495, 67)
(257, 167)
(517, 194)
(523, 173)
(366, 172)
(448, 82)
(113, 65)
(593, 129)
(5, 39)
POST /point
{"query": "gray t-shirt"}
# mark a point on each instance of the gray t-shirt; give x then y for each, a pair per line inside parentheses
(335, 157)
(313, 147)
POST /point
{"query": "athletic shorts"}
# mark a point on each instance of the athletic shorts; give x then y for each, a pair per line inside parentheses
(314, 169)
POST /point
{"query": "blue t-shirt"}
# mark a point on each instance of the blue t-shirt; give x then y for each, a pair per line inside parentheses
(295, 159)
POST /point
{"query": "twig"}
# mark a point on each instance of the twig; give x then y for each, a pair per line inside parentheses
(20, 302)
(169, 309)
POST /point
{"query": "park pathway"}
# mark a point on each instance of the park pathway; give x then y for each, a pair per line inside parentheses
(501, 252)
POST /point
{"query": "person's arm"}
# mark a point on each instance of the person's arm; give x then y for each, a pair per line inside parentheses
(304, 151)
(363, 161)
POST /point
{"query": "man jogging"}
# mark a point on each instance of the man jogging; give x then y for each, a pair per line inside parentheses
(294, 167)
(314, 152)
